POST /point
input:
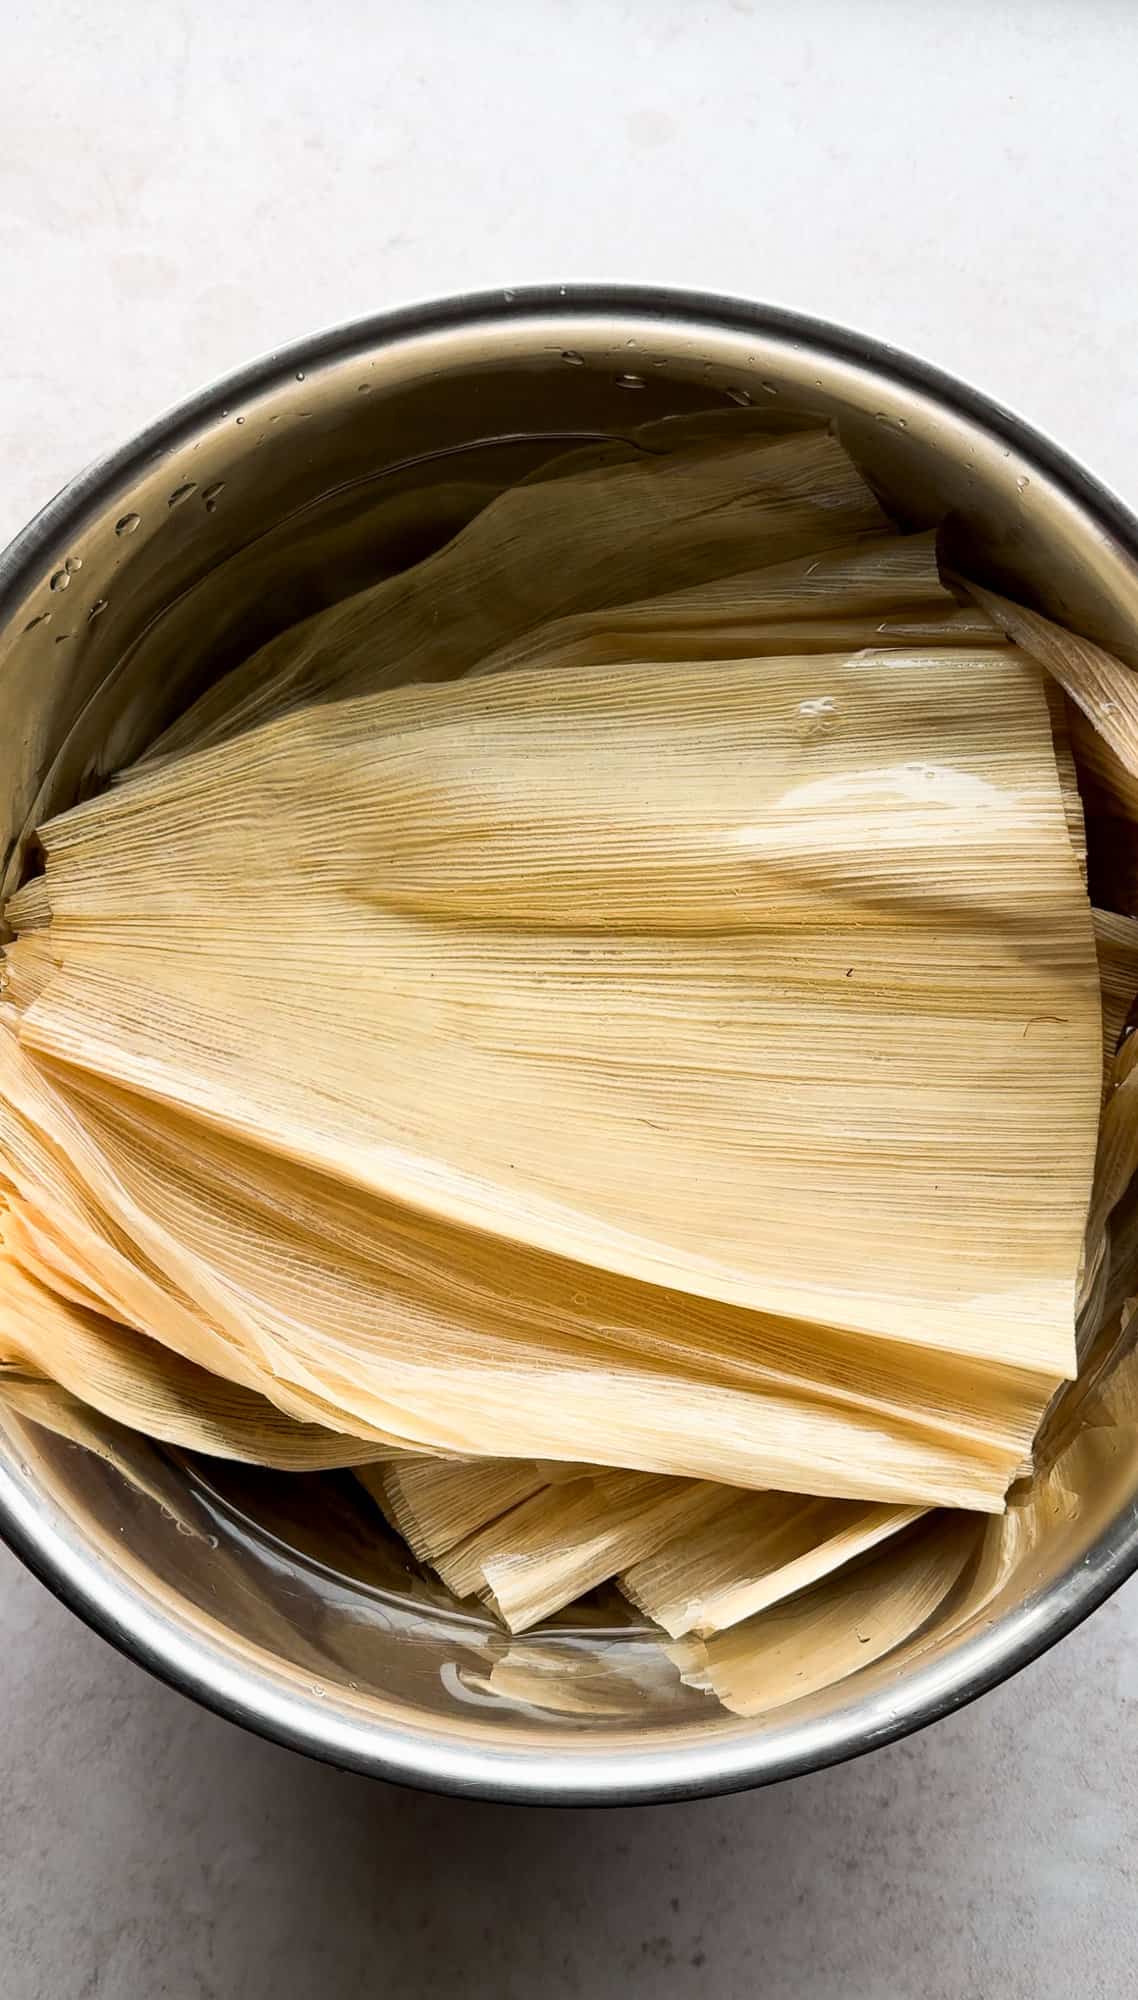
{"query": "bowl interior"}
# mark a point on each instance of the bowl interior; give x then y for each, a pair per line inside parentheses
(314, 474)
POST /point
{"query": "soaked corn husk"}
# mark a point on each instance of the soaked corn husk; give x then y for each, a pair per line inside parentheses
(437, 1503)
(756, 1550)
(814, 1641)
(604, 1033)
(569, 1538)
(688, 501)
(678, 917)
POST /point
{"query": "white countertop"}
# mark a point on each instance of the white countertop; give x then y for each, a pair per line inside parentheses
(183, 186)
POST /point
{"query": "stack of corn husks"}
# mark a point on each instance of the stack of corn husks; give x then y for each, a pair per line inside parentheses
(603, 1032)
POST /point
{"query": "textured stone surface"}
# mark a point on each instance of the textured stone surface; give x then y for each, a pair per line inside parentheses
(184, 186)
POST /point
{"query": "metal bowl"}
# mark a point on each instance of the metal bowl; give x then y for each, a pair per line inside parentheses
(256, 502)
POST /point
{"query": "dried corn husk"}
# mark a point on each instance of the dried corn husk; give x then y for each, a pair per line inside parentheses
(601, 527)
(828, 1633)
(756, 1550)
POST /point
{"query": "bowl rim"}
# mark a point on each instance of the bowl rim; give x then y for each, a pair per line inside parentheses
(609, 1776)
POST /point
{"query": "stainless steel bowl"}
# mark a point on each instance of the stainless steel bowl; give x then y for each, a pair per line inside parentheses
(255, 502)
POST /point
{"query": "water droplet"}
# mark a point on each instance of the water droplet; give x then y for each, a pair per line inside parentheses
(574, 359)
(183, 1527)
(363, 388)
(742, 396)
(318, 1690)
(630, 343)
(43, 619)
(73, 565)
(902, 423)
(864, 1638)
(508, 296)
(1022, 484)
(181, 493)
(210, 494)
(768, 388)
(212, 1542)
(61, 579)
(62, 637)
(97, 610)
(630, 381)
(300, 374)
(239, 420)
(879, 417)
(128, 524)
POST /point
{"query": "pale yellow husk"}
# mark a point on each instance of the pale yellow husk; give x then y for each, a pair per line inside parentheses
(436, 1503)
(688, 501)
(620, 1059)
(759, 1549)
(468, 955)
(792, 1650)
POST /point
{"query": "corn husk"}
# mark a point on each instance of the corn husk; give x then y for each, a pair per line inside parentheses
(29, 909)
(1101, 686)
(517, 976)
(827, 1634)
(878, 592)
(436, 1503)
(568, 1539)
(607, 1676)
(688, 501)
(233, 1217)
(455, 1357)
(143, 1385)
(759, 1549)
(1116, 946)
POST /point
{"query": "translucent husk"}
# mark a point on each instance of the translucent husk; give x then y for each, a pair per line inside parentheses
(575, 1674)
(436, 1503)
(757, 1550)
(568, 1539)
(689, 501)
(816, 1640)
(880, 591)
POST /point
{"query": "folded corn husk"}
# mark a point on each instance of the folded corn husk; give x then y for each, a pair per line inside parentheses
(844, 1623)
(143, 1385)
(569, 1538)
(754, 1551)
(114, 858)
(689, 501)
(437, 1503)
